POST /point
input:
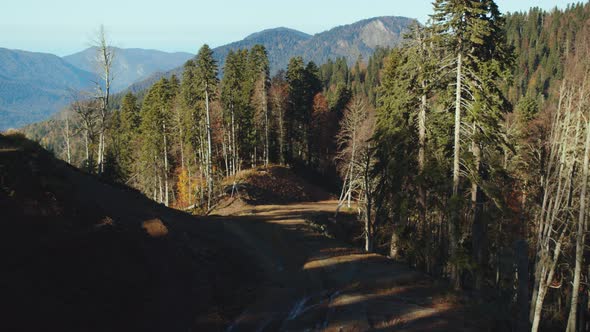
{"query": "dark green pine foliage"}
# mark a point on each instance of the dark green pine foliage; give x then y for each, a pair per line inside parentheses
(155, 137)
(236, 88)
(192, 116)
(472, 32)
(542, 40)
(405, 153)
(206, 74)
(396, 139)
(372, 80)
(259, 72)
(304, 83)
(126, 135)
(312, 86)
(335, 79)
(295, 115)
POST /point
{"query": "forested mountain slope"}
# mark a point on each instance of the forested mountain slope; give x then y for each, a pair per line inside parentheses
(359, 39)
(82, 255)
(35, 85)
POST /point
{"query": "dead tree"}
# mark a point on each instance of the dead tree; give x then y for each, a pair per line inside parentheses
(356, 159)
(553, 221)
(104, 62)
(85, 109)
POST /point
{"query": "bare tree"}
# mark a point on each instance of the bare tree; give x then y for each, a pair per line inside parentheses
(348, 141)
(67, 135)
(104, 62)
(356, 160)
(85, 109)
(559, 193)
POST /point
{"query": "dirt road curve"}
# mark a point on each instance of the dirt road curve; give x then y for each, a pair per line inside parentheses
(317, 283)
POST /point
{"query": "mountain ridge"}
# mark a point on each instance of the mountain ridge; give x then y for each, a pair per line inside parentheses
(130, 64)
(33, 85)
(358, 39)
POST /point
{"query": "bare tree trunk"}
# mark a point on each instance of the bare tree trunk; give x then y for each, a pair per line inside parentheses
(393, 245)
(87, 146)
(266, 143)
(421, 155)
(161, 191)
(166, 198)
(209, 149)
(351, 169)
(454, 220)
(99, 153)
(545, 204)
(67, 139)
(105, 59)
(368, 201)
(557, 202)
(546, 279)
(225, 161)
(233, 139)
(155, 196)
(580, 238)
(281, 136)
(477, 228)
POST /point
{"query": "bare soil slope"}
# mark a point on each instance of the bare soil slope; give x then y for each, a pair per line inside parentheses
(81, 255)
(316, 283)
(272, 185)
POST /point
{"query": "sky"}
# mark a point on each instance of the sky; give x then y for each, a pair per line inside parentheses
(64, 27)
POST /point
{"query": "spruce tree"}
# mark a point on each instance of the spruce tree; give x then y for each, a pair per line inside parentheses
(471, 32)
(128, 131)
(206, 70)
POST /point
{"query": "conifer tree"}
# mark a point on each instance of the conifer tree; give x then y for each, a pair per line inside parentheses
(260, 73)
(127, 132)
(206, 69)
(295, 115)
(470, 30)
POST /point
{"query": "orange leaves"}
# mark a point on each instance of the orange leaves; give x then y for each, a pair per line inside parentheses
(183, 188)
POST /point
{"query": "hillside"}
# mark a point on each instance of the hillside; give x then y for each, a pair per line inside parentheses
(81, 255)
(130, 64)
(35, 85)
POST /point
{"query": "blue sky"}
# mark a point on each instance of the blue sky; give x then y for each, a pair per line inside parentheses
(66, 26)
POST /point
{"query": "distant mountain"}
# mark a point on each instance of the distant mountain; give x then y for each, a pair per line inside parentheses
(354, 40)
(280, 44)
(35, 85)
(130, 64)
(349, 41)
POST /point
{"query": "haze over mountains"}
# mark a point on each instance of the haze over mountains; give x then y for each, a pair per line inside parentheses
(359, 39)
(33, 86)
(130, 64)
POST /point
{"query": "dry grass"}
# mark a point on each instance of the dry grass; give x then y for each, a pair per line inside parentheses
(273, 185)
(155, 227)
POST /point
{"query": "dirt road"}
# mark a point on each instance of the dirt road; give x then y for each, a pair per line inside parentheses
(318, 283)
(82, 255)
